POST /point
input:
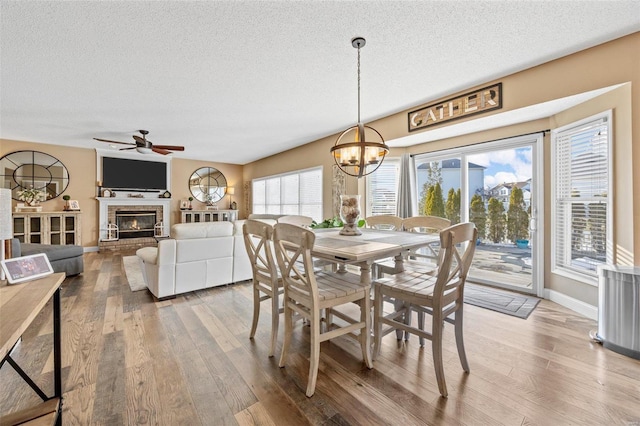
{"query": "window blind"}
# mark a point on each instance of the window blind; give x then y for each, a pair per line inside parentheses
(382, 189)
(296, 193)
(581, 185)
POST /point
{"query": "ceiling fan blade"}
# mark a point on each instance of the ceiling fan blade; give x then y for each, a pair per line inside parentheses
(140, 140)
(126, 149)
(171, 147)
(160, 151)
(108, 141)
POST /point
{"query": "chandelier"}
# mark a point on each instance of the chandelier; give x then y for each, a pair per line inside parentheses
(360, 149)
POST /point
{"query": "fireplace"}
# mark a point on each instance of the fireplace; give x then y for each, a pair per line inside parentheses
(136, 223)
(133, 234)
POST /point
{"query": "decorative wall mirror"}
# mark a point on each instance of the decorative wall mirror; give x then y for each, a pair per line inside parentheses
(208, 185)
(22, 170)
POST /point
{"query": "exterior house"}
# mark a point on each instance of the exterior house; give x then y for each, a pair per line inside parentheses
(450, 174)
(502, 192)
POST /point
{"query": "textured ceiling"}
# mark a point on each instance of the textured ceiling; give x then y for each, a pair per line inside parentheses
(236, 81)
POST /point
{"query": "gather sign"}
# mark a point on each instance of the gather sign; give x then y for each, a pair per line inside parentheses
(481, 100)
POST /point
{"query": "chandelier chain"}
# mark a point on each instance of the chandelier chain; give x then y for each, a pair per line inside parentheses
(358, 84)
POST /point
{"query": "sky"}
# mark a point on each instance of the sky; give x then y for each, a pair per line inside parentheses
(508, 165)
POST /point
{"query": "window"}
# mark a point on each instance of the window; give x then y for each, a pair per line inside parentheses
(382, 188)
(582, 191)
(297, 193)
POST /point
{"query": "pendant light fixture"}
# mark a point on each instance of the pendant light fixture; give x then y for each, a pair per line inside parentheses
(360, 149)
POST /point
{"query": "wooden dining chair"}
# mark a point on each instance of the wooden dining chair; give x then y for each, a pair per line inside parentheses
(267, 283)
(424, 260)
(305, 222)
(425, 225)
(309, 293)
(385, 222)
(440, 295)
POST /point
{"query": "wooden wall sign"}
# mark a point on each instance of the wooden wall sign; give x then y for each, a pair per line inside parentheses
(476, 102)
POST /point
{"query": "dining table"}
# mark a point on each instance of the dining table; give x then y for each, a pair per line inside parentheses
(365, 249)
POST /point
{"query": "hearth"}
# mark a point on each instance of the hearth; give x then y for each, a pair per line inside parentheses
(136, 223)
(126, 241)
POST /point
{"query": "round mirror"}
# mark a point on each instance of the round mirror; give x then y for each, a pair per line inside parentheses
(22, 170)
(208, 185)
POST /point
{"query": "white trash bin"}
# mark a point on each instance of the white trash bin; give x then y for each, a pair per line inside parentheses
(619, 309)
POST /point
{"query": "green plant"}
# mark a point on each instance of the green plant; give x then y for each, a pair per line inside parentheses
(190, 198)
(334, 222)
(478, 215)
(66, 197)
(452, 206)
(496, 220)
(435, 202)
(31, 195)
(517, 216)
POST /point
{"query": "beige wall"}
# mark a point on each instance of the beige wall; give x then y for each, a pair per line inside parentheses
(609, 64)
(606, 65)
(81, 163)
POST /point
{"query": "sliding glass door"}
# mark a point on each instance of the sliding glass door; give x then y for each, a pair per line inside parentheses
(494, 185)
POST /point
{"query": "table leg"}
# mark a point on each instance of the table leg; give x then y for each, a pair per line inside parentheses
(399, 263)
(57, 355)
(365, 273)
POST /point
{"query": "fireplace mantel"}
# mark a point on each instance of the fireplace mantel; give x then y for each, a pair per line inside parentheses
(105, 202)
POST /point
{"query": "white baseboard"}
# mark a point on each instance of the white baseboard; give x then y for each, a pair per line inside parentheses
(576, 305)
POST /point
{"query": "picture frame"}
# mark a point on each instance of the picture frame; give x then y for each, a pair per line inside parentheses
(74, 205)
(26, 268)
(184, 205)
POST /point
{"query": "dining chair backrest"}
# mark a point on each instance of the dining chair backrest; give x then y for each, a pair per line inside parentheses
(426, 224)
(293, 250)
(385, 221)
(304, 221)
(457, 245)
(267, 284)
(258, 237)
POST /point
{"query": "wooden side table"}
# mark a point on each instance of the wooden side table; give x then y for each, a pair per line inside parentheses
(19, 306)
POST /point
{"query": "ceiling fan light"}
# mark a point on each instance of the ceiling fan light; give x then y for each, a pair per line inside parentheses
(143, 150)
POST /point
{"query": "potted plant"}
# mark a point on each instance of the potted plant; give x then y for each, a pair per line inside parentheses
(190, 200)
(31, 196)
(66, 199)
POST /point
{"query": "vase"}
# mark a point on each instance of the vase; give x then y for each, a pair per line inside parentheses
(350, 213)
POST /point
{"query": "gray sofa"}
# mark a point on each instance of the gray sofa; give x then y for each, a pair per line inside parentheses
(67, 259)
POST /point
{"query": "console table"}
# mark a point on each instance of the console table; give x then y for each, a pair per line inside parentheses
(189, 216)
(19, 306)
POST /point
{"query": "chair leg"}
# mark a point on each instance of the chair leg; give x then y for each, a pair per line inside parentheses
(420, 326)
(460, 341)
(377, 324)
(275, 320)
(256, 310)
(398, 305)
(365, 333)
(288, 329)
(436, 346)
(314, 355)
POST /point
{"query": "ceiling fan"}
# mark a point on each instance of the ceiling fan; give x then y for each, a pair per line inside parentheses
(144, 146)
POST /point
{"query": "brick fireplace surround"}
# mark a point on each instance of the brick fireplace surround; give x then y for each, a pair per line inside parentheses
(107, 214)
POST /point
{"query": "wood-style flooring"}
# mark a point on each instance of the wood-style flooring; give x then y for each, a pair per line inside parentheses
(130, 360)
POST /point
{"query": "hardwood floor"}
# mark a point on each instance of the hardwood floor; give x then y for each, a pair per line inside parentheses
(130, 360)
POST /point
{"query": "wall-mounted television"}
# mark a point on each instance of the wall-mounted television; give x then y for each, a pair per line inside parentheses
(124, 173)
